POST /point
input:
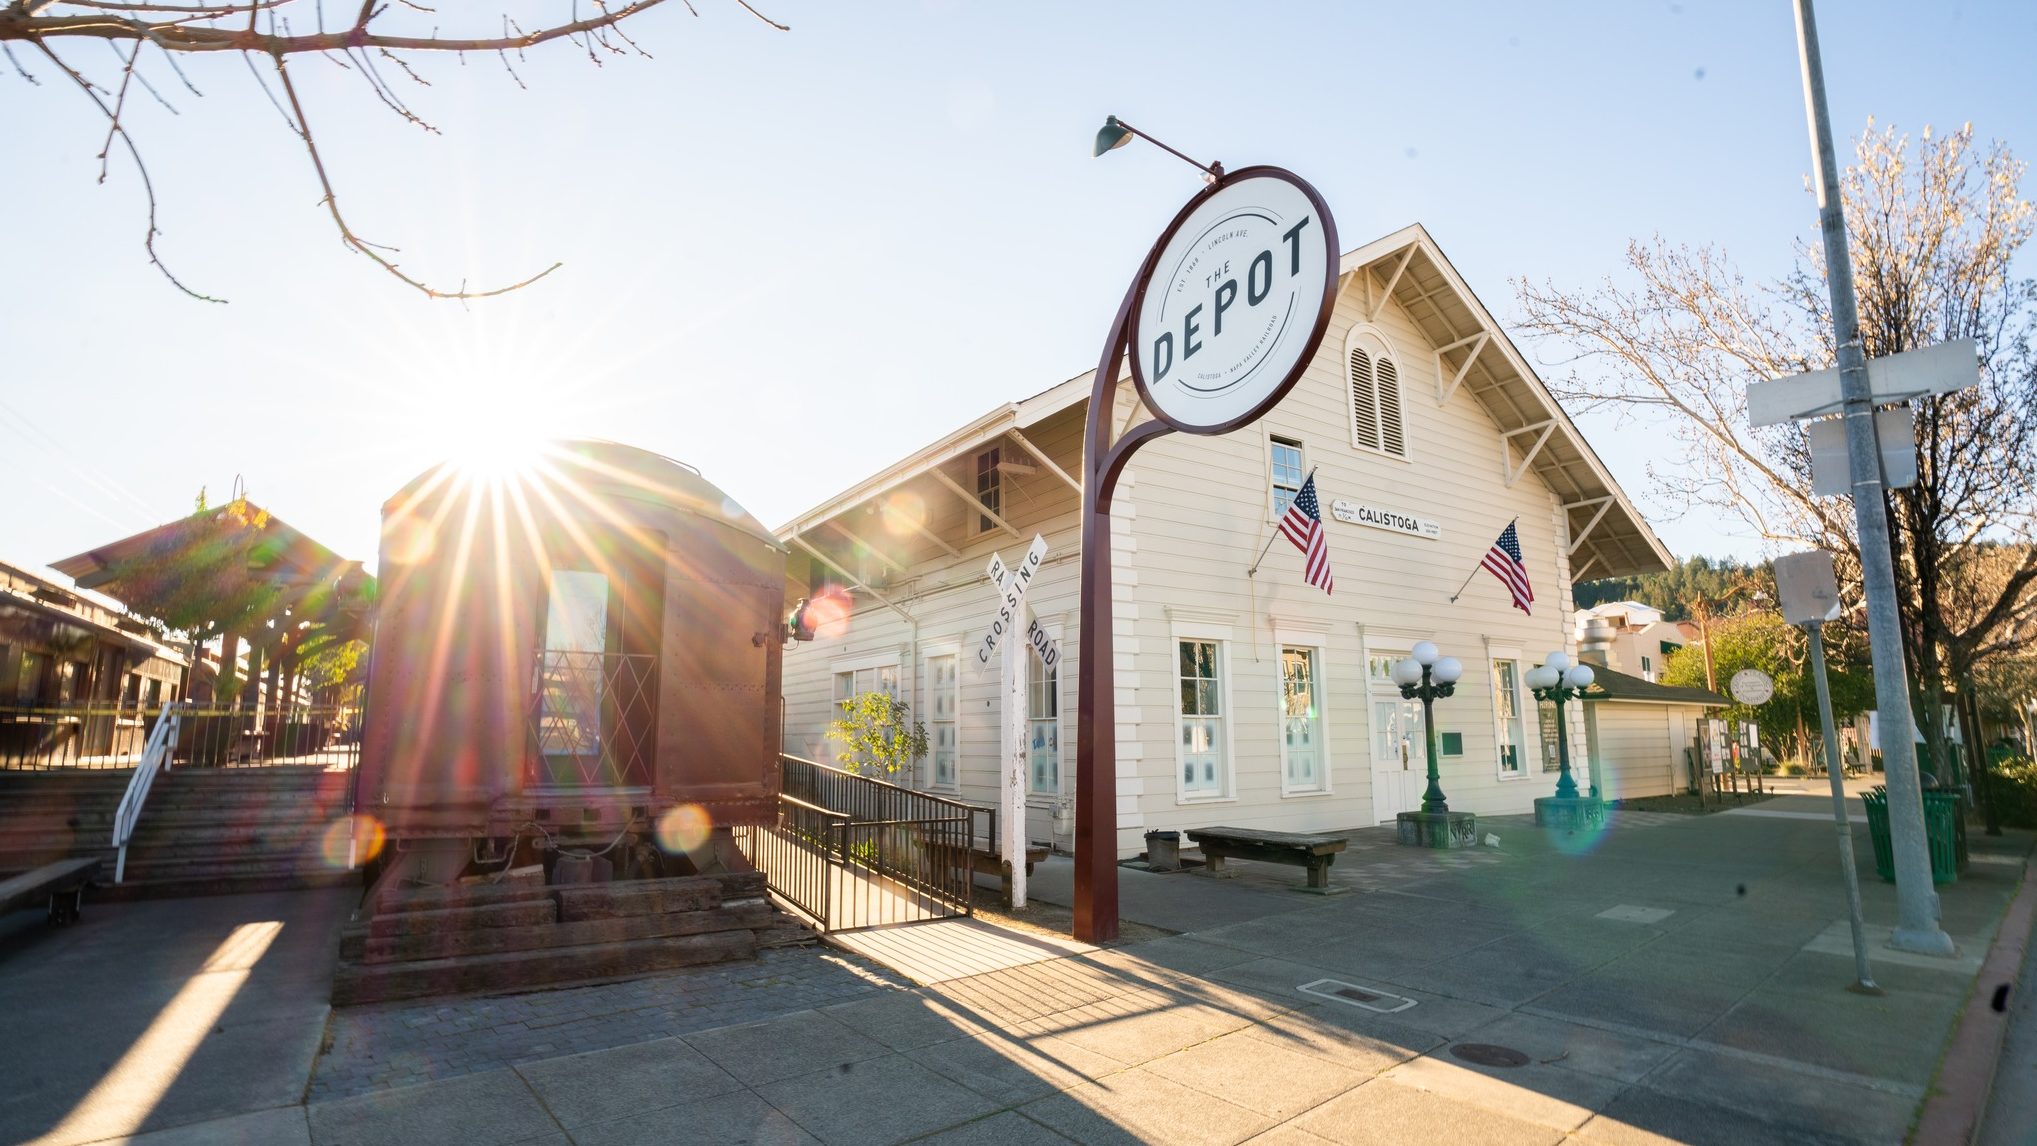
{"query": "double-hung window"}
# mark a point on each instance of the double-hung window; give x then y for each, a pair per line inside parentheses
(1202, 718)
(1287, 474)
(944, 744)
(1507, 708)
(1301, 719)
(1043, 727)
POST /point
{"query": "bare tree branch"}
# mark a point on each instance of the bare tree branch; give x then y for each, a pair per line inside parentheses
(347, 235)
(115, 128)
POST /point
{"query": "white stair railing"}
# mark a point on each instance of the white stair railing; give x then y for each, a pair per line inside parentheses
(155, 757)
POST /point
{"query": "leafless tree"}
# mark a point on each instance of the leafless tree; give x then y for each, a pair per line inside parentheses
(1934, 225)
(380, 41)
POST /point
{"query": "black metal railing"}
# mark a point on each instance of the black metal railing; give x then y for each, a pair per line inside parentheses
(109, 735)
(854, 852)
(798, 854)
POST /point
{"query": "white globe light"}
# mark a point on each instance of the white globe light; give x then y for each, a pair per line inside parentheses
(1579, 676)
(1557, 661)
(1447, 670)
(1407, 672)
(1424, 653)
(1541, 676)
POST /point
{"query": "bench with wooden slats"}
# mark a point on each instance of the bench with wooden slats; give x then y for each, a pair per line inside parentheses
(63, 882)
(1314, 852)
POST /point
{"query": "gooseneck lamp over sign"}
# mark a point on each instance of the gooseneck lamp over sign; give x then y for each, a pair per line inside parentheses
(1427, 676)
(1559, 681)
(1253, 251)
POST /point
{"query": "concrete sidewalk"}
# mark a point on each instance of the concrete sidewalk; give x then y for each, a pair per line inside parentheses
(1667, 980)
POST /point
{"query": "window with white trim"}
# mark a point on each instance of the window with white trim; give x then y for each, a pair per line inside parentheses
(989, 487)
(1507, 707)
(1287, 474)
(1377, 422)
(1647, 668)
(874, 678)
(1202, 718)
(1043, 727)
(1301, 719)
(944, 732)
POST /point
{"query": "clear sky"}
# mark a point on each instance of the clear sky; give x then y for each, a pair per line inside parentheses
(791, 258)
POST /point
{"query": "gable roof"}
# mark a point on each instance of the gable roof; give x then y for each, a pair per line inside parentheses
(1609, 685)
(1608, 535)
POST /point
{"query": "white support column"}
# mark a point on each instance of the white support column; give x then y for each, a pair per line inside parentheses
(1013, 790)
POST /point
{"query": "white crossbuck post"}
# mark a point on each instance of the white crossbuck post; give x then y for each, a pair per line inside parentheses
(1012, 585)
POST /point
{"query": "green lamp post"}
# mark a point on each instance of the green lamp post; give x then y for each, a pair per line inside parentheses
(1559, 680)
(1427, 676)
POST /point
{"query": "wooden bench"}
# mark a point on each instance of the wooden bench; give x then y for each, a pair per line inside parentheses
(63, 881)
(985, 859)
(1316, 853)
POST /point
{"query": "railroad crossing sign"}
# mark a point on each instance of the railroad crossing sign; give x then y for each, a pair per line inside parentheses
(1012, 584)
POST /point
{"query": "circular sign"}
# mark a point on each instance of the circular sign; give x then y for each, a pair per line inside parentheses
(1752, 686)
(1234, 300)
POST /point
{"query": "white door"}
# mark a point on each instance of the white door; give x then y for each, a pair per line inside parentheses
(1400, 771)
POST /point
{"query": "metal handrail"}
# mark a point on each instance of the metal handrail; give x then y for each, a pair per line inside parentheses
(155, 757)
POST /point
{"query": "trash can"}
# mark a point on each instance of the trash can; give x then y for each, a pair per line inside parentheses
(1942, 831)
(1945, 829)
(1163, 851)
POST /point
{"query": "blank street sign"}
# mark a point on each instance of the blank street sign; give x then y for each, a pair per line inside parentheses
(1939, 369)
(1832, 473)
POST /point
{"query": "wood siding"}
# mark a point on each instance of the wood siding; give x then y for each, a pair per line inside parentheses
(1191, 515)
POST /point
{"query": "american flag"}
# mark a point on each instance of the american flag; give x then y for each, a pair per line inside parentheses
(1303, 525)
(1504, 559)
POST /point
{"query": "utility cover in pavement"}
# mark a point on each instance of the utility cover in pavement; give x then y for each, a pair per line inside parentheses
(1628, 913)
(1486, 1054)
(1370, 998)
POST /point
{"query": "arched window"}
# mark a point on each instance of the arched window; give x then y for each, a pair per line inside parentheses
(1377, 422)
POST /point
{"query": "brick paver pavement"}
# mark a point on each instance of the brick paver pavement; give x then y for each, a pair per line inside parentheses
(400, 1044)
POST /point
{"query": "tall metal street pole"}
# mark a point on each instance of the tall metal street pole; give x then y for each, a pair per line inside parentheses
(1835, 769)
(1916, 902)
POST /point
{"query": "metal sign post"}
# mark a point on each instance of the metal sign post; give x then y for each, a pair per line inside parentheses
(1809, 588)
(1225, 313)
(1917, 907)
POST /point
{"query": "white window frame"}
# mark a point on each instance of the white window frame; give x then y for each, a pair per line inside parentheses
(1319, 648)
(1376, 345)
(1060, 723)
(1524, 705)
(866, 662)
(1224, 636)
(1276, 503)
(928, 654)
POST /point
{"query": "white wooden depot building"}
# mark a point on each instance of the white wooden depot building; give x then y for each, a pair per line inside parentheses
(1244, 701)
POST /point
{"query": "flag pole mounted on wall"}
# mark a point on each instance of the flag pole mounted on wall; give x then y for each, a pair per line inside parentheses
(1475, 569)
(1271, 537)
(1225, 313)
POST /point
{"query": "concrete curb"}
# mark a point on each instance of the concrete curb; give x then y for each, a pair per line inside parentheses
(1959, 1094)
